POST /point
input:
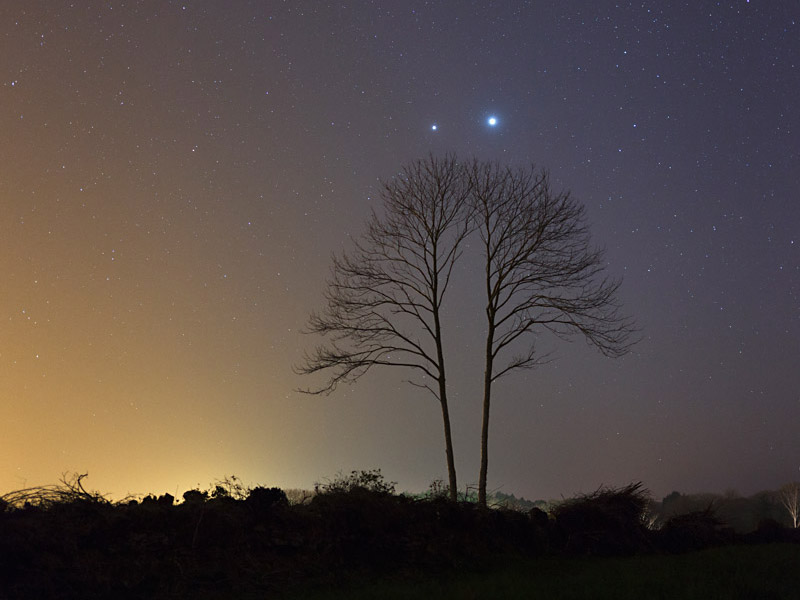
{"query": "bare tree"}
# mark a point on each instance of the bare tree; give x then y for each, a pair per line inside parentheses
(789, 495)
(384, 299)
(541, 274)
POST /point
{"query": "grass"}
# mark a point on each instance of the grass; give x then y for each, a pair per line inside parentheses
(764, 572)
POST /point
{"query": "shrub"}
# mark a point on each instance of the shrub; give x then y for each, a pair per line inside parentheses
(262, 498)
(370, 481)
(538, 517)
(230, 487)
(195, 497)
(694, 531)
(69, 490)
(768, 531)
(608, 521)
(438, 489)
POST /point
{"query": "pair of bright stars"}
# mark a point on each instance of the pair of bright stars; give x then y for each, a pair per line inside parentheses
(491, 121)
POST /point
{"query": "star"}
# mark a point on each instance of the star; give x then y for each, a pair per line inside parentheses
(492, 121)
(434, 127)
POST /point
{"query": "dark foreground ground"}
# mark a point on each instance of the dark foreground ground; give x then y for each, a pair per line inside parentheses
(357, 542)
(763, 572)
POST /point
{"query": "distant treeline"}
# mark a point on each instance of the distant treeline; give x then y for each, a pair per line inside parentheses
(741, 513)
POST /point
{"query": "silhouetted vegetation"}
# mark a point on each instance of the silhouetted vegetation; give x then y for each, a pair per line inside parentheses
(227, 541)
(384, 300)
(743, 514)
(607, 522)
(371, 481)
(541, 274)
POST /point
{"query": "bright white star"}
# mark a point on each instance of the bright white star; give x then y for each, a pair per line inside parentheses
(492, 121)
(434, 127)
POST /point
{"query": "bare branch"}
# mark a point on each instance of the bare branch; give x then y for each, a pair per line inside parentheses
(542, 273)
(789, 496)
(383, 298)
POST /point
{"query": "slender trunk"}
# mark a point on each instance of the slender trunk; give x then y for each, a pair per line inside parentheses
(448, 438)
(448, 445)
(491, 314)
(487, 397)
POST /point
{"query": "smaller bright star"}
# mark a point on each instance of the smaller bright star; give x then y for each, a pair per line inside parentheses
(434, 127)
(492, 121)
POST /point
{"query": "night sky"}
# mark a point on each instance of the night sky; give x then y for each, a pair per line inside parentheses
(174, 177)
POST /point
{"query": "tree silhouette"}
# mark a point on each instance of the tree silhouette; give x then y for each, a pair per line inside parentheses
(789, 495)
(541, 273)
(384, 299)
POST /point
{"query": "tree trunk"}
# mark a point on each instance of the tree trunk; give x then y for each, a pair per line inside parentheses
(487, 397)
(448, 439)
(448, 445)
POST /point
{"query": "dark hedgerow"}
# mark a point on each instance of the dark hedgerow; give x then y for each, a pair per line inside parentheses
(223, 543)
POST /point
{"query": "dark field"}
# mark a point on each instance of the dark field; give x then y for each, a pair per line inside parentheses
(764, 572)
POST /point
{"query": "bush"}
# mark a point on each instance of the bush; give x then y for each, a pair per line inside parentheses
(370, 481)
(69, 490)
(195, 497)
(262, 498)
(768, 531)
(438, 489)
(696, 530)
(230, 487)
(608, 521)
